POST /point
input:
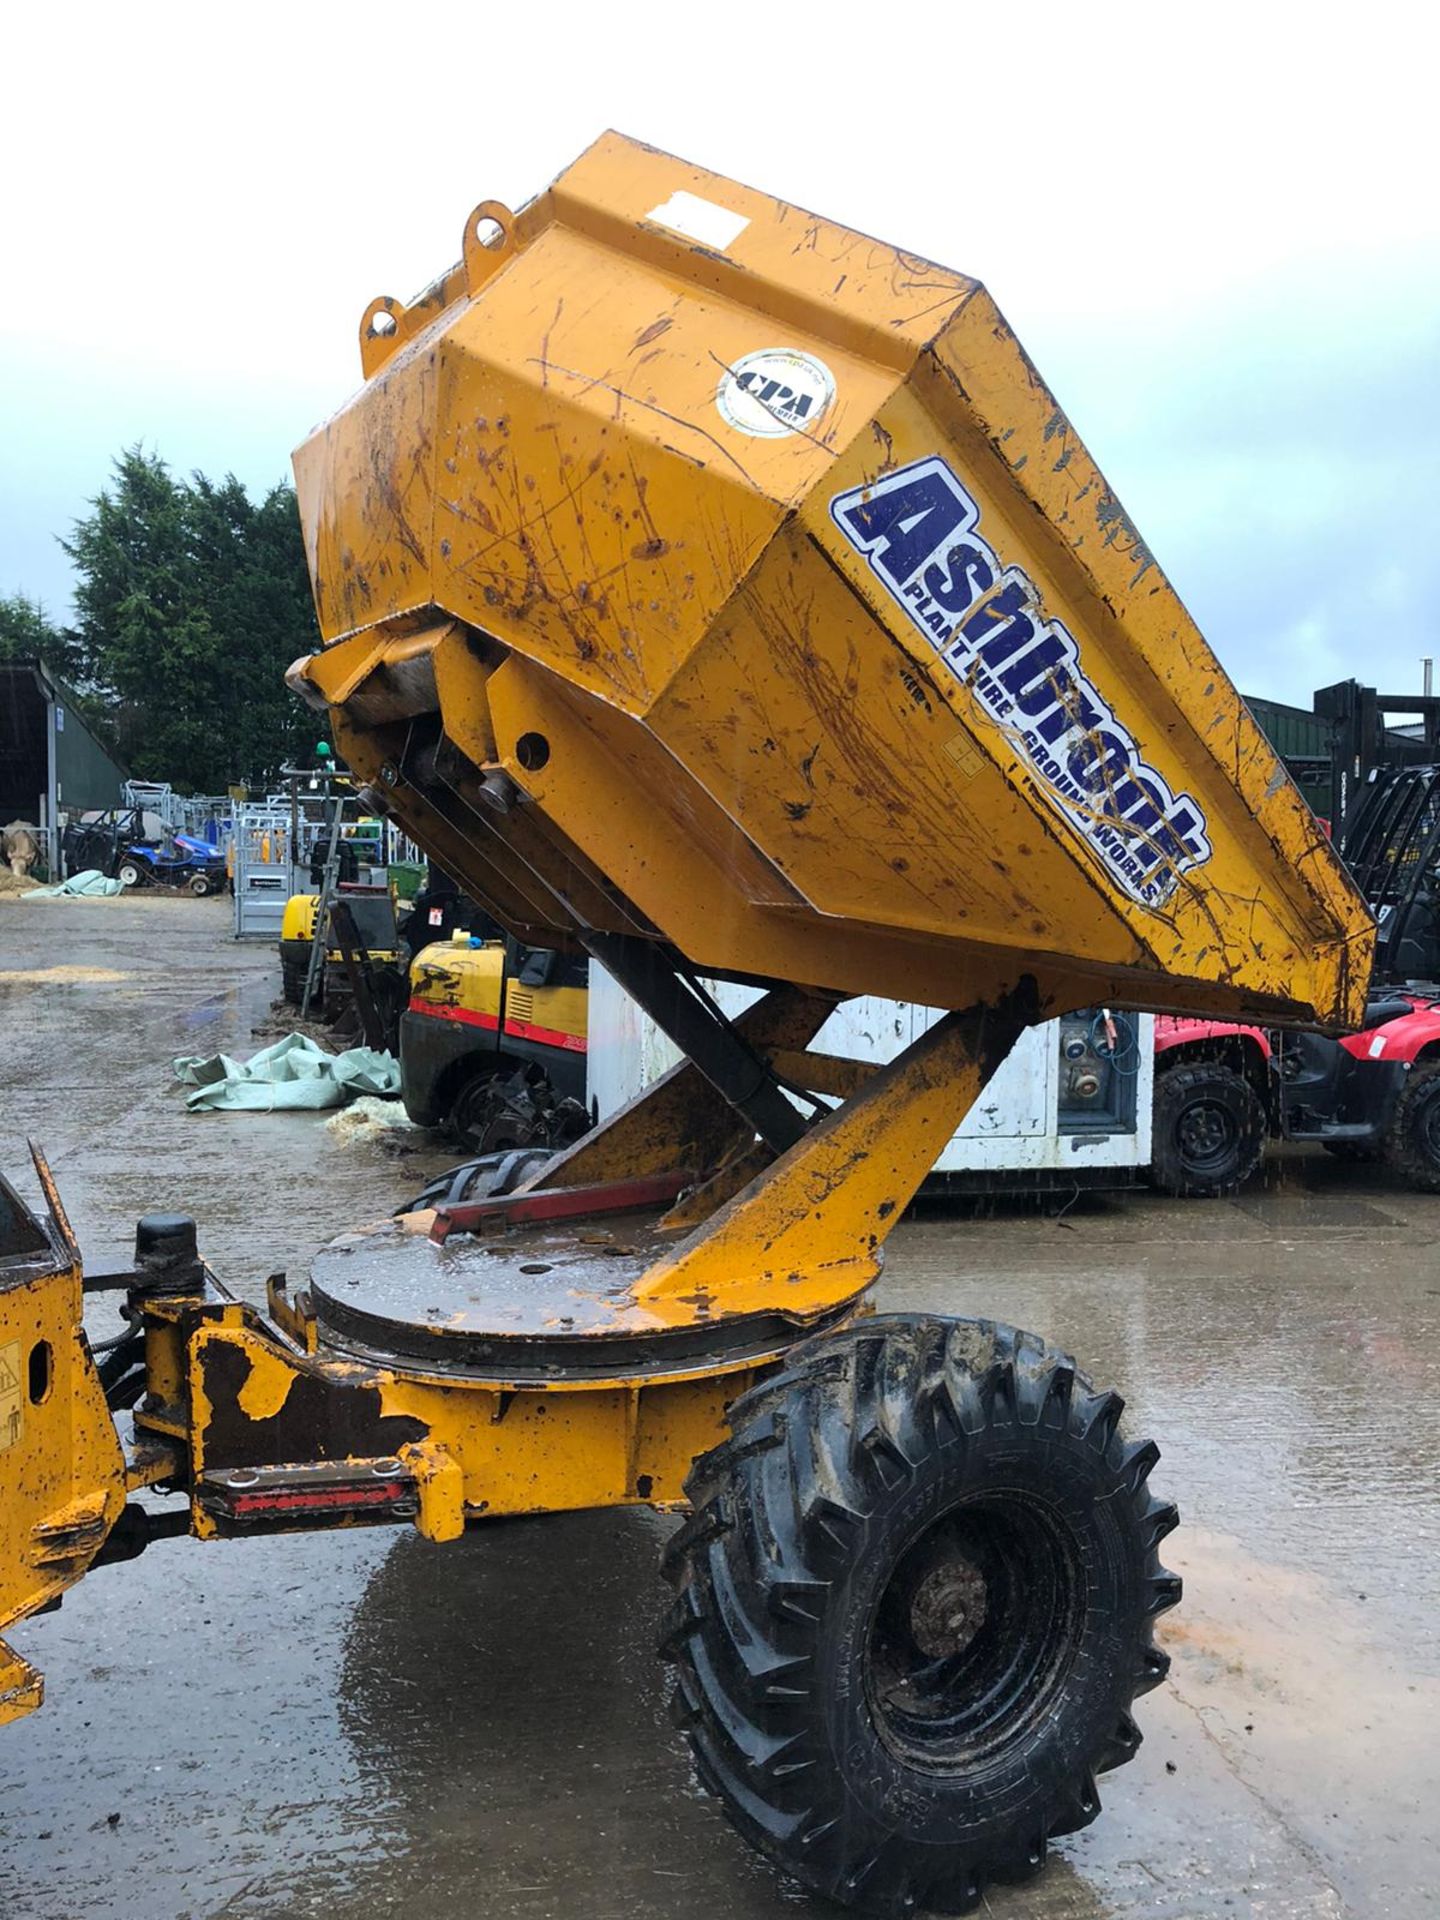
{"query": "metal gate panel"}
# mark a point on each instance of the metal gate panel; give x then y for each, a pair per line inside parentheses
(265, 874)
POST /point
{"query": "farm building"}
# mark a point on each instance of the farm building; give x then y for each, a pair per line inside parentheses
(49, 759)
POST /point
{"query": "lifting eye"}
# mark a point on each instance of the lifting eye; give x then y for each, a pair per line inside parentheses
(532, 750)
(40, 1371)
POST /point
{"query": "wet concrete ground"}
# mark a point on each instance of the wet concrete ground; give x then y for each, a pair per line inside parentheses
(368, 1725)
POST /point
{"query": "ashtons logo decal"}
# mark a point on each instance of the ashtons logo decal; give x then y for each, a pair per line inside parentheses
(775, 392)
(918, 529)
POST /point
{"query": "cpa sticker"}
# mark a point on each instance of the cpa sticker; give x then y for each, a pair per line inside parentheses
(775, 392)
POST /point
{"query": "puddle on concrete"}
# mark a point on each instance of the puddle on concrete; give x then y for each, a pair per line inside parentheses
(364, 1725)
(16, 977)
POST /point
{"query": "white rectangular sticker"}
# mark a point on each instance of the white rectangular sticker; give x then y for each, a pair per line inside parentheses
(699, 220)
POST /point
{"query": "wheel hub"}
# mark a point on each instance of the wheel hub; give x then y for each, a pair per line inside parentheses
(973, 1630)
(1205, 1133)
(948, 1609)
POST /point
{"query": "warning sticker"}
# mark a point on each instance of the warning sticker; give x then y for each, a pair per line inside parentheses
(10, 1399)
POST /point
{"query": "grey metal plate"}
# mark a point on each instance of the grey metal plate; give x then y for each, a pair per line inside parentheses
(532, 1282)
(537, 1303)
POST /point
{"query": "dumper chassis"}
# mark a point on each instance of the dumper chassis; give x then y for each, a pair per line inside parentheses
(718, 594)
(919, 1554)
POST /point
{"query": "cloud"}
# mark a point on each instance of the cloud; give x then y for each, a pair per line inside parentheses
(1210, 230)
(1280, 448)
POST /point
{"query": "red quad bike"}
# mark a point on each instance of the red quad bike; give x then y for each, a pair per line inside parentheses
(1221, 1091)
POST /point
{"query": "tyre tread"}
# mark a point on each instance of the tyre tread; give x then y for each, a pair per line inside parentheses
(1410, 1160)
(778, 1512)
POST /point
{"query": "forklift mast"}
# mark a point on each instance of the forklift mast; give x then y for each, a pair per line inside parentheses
(1391, 843)
(1363, 744)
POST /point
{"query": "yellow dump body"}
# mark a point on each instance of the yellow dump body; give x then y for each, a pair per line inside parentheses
(692, 567)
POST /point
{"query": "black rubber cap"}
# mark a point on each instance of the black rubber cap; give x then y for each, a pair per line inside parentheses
(165, 1237)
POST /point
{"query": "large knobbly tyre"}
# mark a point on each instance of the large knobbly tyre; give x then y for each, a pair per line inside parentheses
(1209, 1131)
(915, 1603)
(1412, 1145)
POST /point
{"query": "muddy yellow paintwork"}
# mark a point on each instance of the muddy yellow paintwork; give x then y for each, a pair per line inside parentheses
(807, 1234)
(62, 1470)
(660, 690)
(614, 662)
(490, 1448)
(744, 734)
(466, 980)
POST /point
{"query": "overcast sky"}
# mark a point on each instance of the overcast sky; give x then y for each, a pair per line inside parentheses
(1216, 229)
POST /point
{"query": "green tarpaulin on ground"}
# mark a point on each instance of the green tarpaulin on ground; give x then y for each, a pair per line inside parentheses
(89, 885)
(295, 1075)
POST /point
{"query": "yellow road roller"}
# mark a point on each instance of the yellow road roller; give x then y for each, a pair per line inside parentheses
(719, 594)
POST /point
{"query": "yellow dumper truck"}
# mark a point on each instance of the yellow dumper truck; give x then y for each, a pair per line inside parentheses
(720, 593)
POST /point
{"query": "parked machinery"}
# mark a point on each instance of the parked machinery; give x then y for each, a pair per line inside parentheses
(139, 849)
(720, 593)
(493, 1041)
(1222, 1089)
(374, 918)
